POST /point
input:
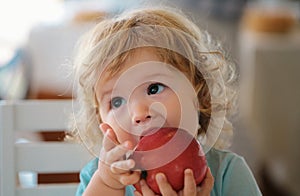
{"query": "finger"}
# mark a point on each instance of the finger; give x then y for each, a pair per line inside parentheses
(136, 193)
(121, 167)
(163, 184)
(105, 127)
(206, 185)
(127, 179)
(146, 189)
(115, 154)
(109, 140)
(189, 183)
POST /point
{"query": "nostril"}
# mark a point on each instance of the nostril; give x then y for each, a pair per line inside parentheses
(140, 120)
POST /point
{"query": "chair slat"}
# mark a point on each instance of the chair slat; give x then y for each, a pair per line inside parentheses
(51, 157)
(49, 190)
(41, 113)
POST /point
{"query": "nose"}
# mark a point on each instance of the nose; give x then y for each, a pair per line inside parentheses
(140, 113)
(142, 119)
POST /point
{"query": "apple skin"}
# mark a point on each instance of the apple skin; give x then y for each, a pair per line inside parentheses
(190, 156)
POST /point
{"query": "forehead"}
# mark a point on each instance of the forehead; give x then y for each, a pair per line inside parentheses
(139, 56)
(142, 67)
(124, 62)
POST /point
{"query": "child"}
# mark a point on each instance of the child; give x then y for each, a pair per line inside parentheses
(154, 68)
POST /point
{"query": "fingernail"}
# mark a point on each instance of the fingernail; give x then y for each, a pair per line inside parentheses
(126, 144)
(110, 133)
(107, 131)
(188, 171)
(160, 177)
(130, 163)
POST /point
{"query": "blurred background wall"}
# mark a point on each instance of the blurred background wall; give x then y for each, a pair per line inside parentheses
(37, 38)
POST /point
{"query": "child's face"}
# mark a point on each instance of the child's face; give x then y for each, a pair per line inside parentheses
(146, 94)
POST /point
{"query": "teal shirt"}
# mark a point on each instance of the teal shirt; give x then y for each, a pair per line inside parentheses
(232, 176)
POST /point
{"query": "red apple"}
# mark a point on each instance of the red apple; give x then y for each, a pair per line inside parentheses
(170, 151)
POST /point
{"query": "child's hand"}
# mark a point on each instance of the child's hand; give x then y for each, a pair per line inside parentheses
(113, 169)
(190, 188)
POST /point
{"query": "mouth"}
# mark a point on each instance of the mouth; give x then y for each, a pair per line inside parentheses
(148, 132)
(144, 133)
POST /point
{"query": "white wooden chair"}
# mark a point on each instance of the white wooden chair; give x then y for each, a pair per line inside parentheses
(39, 156)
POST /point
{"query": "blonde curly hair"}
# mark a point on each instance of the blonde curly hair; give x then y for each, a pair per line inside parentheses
(177, 41)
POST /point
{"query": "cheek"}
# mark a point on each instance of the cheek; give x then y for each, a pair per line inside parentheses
(120, 118)
(173, 107)
(120, 123)
(113, 117)
(124, 135)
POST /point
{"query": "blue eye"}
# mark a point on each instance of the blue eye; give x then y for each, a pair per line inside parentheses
(155, 88)
(116, 102)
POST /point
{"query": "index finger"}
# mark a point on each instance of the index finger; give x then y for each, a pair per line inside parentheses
(109, 140)
(105, 127)
(189, 183)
